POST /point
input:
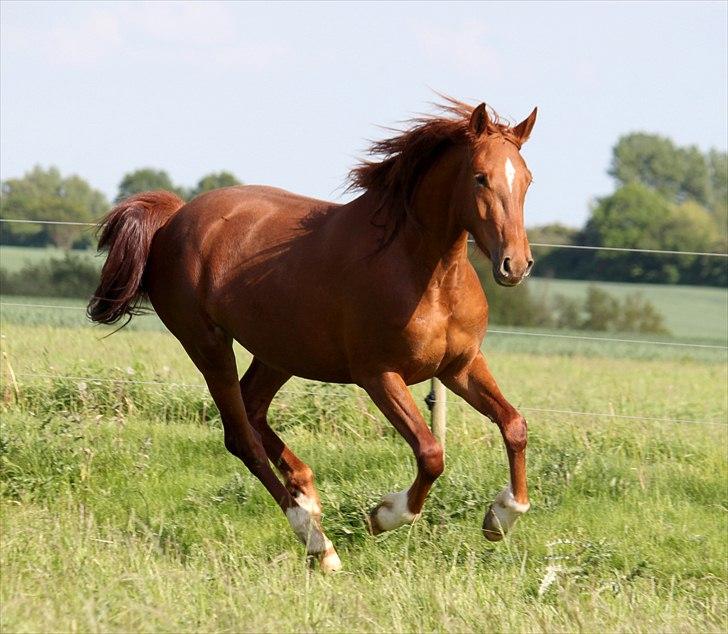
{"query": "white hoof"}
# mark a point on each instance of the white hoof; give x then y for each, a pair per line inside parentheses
(392, 512)
(502, 515)
(330, 562)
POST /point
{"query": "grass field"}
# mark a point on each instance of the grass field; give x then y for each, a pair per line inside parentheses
(15, 258)
(122, 510)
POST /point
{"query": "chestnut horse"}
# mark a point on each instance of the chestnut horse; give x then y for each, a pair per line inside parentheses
(378, 292)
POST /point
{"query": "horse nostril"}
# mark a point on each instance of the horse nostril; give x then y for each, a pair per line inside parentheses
(529, 266)
(506, 266)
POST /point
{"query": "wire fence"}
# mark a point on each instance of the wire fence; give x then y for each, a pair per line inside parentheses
(304, 391)
(566, 412)
(496, 331)
(533, 244)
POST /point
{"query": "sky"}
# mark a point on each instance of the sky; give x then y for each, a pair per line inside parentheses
(288, 94)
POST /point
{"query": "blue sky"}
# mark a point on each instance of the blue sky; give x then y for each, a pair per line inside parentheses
(287, 94)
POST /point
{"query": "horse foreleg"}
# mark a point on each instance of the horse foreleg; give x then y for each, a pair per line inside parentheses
(477, 386)
(258, 387)
(390, 394)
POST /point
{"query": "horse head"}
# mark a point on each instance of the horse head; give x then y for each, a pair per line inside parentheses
(500, 179)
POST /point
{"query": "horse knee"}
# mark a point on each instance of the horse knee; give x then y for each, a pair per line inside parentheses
(301, 478)
(515, 433)
(431, 461)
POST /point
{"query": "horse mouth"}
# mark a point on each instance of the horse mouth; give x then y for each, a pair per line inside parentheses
(507, 282)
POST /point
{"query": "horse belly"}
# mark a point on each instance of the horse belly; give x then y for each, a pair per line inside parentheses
(289, 336)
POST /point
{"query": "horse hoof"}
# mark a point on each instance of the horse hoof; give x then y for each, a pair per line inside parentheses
(330, 562)
(373, 527)
(492, 530)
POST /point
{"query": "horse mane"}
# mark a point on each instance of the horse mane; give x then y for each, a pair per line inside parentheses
(404, 158)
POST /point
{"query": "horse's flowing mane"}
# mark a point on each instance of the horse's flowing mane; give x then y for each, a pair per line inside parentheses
(403, 159)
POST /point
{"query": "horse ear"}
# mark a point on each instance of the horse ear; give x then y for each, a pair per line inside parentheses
(523, 130)
(479, 120)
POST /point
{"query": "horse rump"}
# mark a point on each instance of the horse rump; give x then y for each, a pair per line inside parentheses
(126, 233)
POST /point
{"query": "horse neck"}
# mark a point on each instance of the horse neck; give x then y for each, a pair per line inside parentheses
(438, 239)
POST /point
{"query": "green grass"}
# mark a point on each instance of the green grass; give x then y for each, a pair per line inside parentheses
(122, 510)
(688, 311)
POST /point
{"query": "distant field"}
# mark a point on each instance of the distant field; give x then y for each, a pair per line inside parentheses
(53, 313)
(688, 311)
(15, 258)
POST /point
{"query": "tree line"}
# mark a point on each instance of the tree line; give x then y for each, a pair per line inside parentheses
(44, 194)
(667, 197)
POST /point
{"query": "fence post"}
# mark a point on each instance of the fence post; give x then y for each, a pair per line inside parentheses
(437, 401)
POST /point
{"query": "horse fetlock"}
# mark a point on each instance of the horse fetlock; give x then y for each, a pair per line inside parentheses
(307, 500)
(307, 529)
(502, 515)
(392, 512)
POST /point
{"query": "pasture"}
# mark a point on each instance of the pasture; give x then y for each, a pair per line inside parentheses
(15, 258)
(122, 511)
(689, 311)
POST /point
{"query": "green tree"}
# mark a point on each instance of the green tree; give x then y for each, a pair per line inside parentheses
(144, 180)
(44, 194)
(655, 161)
(718, 167)
(550, 261)
(214, 180)
(601, 308)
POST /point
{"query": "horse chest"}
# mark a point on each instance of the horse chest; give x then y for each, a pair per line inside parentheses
(438, 335)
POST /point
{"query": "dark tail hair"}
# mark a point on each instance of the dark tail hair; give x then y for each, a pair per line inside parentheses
(126, 233)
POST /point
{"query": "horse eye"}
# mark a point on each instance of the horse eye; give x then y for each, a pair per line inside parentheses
(481, 179)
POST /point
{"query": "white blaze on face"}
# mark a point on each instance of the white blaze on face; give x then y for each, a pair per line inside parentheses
(510, 174)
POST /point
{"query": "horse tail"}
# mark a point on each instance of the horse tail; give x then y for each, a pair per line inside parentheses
(126, 233)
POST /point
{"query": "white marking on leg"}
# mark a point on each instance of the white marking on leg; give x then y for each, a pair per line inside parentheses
(394, 511)
(507, 510)
(307, 530)
(510, 174)
(308, 503)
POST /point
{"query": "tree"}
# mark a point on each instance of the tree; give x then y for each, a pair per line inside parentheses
(144, 180)
(549, 261)
(640, 218)
(678, 173)
(214, 180)
(45, 195)
(718, 167)
(633, 217)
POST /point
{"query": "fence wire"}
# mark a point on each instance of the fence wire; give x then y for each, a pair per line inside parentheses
(533, 244)
(304, 391)
(496, 331)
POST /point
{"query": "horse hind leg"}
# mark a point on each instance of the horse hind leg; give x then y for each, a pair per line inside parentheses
(211, 351)
(258, 387)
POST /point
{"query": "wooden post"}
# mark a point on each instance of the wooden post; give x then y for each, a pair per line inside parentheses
(438, 393)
